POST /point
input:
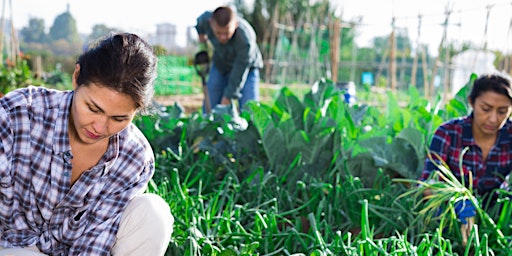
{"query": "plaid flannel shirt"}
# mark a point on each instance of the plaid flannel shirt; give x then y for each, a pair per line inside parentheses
(38, 205)
(453, 136)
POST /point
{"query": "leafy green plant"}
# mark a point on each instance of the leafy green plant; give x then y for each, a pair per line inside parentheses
(16, 75)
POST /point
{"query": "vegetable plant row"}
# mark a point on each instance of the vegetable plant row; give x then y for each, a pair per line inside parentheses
(311, 176)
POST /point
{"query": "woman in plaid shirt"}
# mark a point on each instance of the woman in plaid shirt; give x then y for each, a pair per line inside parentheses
(486, 132)
(74, 168)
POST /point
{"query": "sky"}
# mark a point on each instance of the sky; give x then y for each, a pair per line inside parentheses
(467, 19)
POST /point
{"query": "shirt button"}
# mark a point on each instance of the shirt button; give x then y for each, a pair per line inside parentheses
(66, 174)
(67, 154)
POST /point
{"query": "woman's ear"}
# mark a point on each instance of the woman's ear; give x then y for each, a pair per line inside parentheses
(470, 101)
(75, 76)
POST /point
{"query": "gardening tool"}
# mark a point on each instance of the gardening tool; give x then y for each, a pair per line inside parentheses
(202, 66)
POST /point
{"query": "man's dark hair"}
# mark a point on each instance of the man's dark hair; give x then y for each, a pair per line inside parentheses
(223, 15)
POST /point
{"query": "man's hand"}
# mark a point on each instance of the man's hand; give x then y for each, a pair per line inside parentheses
(203, 45)
(225, 101)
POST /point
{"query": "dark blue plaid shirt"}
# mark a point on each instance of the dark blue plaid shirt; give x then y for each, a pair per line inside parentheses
(38, 205)
(453, 136)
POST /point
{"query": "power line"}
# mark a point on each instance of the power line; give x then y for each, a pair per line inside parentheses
(440, 15)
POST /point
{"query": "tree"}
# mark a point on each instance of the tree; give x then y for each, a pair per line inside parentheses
(34, 33)
(99, 31)
(64, 27)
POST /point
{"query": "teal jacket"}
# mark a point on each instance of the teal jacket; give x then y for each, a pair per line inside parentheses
(236, 57)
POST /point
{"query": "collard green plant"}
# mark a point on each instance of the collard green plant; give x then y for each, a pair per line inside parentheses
(163, 128)
(291, 128)
(401, 156)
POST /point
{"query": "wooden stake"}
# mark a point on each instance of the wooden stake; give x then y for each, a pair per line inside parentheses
(417, 52)
(335, 48)
(392, 57)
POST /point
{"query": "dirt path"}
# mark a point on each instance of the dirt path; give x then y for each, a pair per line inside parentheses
(194, 102)
(190, 103)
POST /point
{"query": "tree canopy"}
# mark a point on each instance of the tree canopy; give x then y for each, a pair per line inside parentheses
(64, 27)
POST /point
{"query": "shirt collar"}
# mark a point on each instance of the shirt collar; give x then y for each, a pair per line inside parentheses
(61, 138)
(467, 131)
(504, 134)
(112, 153)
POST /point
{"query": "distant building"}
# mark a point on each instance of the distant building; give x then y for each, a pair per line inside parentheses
(191, 44)
(165, 36)
(191, 32)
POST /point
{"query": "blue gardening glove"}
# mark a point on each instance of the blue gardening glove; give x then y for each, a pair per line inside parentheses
(464, 209)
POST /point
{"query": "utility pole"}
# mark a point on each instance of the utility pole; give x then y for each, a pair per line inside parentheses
(439, 51)
(489, 7)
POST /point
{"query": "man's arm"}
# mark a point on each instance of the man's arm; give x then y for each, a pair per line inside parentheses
(203, 42)
(202, 24)
(239, 73)
(202, 38)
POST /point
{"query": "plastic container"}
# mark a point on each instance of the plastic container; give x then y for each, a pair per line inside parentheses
(349, 89)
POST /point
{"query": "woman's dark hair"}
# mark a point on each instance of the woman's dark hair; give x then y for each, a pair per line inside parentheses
(497, 83)
(122, 62)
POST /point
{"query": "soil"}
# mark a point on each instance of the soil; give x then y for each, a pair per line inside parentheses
(193, 102)
(190, 103)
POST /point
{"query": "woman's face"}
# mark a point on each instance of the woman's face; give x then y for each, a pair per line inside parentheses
(491, 110)
(98, 112)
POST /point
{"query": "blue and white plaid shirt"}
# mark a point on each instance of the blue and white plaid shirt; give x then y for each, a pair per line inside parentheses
(38, 205)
